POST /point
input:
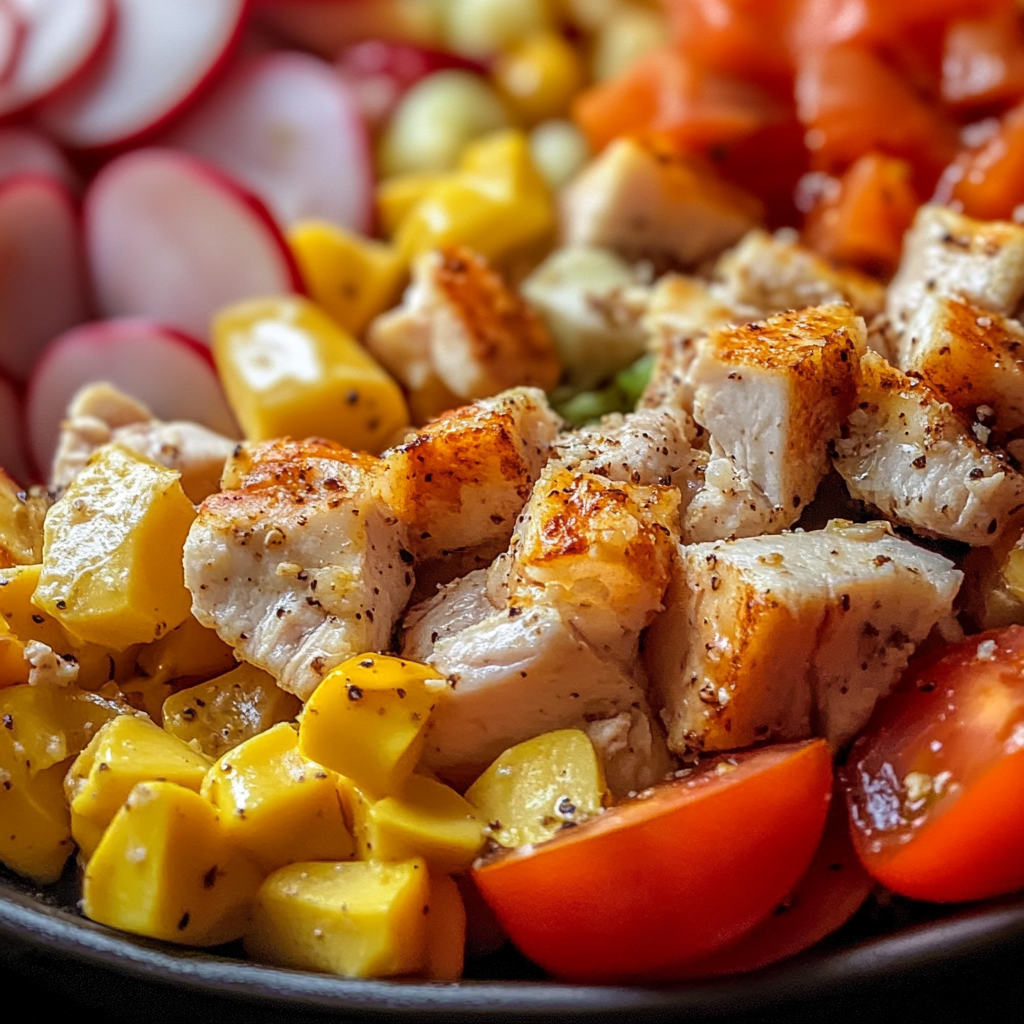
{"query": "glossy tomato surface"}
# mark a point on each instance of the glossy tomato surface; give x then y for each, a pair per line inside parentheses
(935, 786)
(681, 871)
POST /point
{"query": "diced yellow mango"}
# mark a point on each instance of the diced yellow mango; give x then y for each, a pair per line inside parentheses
(35, 830)
(366, 720)
(13, 666)
(189, 652)
(276, 804)
(536, 787)
(290, 371)
(356, 804)
(446, 931)
(125, 752)
(112, 554)
(219, 715)
(397, 197)
(350, 277)
(357, 919)
(21, 523)
(166, 869)
(539, 76)
(427, 819)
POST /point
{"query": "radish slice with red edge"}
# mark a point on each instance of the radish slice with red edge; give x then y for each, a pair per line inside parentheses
(12, 37)
(62, 40)
(165, 369)
(24, 151)
(164, 53)
(42, 271)
(171, 238)
(12, 435)
(287, 127)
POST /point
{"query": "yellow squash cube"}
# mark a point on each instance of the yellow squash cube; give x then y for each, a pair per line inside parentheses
(446, 931)
(14, 668)
(112, 555)
(166, 869)
(366, 720)
(537, 787)
(397, 197)
(276, 804)
(290, 371)
(125, 752)
(35, 829)
(350, 277)
(357, 919)
(219, 715)
(189, 652)
(356, 804)
(429, 820)
(21, 524)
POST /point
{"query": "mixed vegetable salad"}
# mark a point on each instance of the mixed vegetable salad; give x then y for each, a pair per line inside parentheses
(532, 470)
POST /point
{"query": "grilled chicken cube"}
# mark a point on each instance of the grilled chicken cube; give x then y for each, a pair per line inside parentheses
(728, 503)
(973, 358)
(593, 306)
(462, 332)
(459, 483)
(772, 273)
(632, 748)
(301, 563)
(773, 395)
(781, 638)
(646, 200)
(946, 253)
(906, 453)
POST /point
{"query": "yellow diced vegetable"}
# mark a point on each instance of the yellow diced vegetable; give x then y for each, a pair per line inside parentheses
(398, 196)
(434, 121)
(356, 805)
(13, 666)
(112, 555)
(359, 919)
(446, 931)
(350, 277)
(35, 829)
(480, 28)
(165, 869)
(21, 524)
(189, 652)
(536, 787)
(290, 371)
(366, 720)
(219, 715)
(276, 804)
(125, 752)
(539, 76)
(427, 819)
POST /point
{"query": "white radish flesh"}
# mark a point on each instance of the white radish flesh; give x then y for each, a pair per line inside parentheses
(287, 127)
(171, 238)
(167, 371)
(62, 40)
(12, 434)
(24, 151)
(42, 272)
(163, 54)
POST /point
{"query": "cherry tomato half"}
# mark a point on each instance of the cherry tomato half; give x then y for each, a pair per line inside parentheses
(935, 786)
(676, 873)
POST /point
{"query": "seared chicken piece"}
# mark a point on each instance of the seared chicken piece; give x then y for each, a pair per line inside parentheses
(772, 273)
(772, 396)
(100, 414)
(973, 358)
(592, 305)
(632, 748)
(646, 201)
(946, 253)
(301, 563)
(459, 483)
(907, 454)
(728, 503)
(781, 638)
(462, 332)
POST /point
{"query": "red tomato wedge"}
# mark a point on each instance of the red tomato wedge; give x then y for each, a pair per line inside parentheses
(935, 786)
(674, 874)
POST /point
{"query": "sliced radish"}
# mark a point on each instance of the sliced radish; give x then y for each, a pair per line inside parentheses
(12, 37)
(170, 372)
(163, 54)
(23, 151)
(42, 273)
(12, 434)
(286, 126)
(171, 238)
(62, 40)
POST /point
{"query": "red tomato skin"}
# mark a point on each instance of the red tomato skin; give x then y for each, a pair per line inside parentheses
(655, 883)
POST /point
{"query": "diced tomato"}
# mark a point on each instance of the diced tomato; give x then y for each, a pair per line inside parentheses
(852, 102)
(833, 890)
(983, 61)
(988, 181)
(862, 220)
(935, 786)
(679, 872)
